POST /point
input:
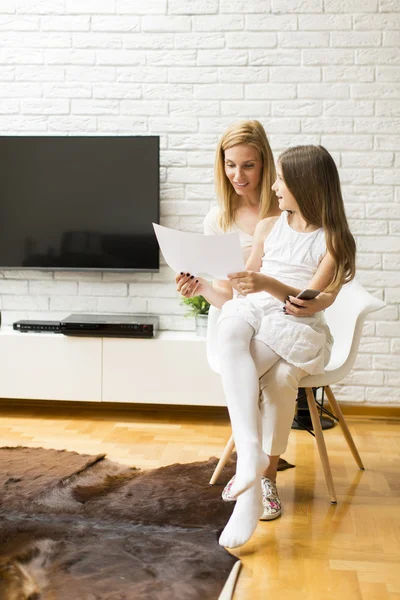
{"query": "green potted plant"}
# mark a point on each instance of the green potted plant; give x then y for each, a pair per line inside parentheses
(198, 308)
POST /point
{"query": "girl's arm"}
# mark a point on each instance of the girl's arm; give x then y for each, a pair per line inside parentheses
(308, 308)
(254, 261)
(261, 232)
(321, 280)
(251, 282)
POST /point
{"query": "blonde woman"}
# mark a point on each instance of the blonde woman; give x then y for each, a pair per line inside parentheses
(244, 175)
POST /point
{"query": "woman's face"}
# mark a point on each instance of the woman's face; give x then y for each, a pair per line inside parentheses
(243, 168)
(285, 197)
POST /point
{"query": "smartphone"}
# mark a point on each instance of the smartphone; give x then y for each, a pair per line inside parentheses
(308, 294)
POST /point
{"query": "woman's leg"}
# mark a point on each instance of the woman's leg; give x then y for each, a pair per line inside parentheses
(279, 386)
(242, 361)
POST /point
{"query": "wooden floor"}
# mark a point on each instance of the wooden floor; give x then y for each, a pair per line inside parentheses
(315, 551)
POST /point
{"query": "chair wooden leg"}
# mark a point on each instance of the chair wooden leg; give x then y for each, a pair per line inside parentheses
(223, 460)
(319, 436)
(339, 415)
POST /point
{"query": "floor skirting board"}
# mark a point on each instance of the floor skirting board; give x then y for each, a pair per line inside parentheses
(352, 410)
(371, 411)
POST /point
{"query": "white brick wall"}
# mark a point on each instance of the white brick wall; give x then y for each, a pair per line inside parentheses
(313, 71)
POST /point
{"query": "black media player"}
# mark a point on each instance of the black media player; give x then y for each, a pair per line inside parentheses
(136, 326)
(37, 326)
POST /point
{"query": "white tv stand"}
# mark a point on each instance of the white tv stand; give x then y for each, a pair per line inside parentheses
(171, 368)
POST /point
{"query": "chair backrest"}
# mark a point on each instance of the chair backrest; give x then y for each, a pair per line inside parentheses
(346, 319)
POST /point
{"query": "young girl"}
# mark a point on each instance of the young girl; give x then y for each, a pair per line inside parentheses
(308, 246)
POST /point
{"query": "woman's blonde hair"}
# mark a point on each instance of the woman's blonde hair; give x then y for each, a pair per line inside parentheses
(311, 176)
(253, 134)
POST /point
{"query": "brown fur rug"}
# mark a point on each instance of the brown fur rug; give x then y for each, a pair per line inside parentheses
(76, 527)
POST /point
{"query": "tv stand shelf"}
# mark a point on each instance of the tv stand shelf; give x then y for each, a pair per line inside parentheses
(171, 368)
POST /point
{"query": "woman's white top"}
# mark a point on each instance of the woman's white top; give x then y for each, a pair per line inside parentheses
(292, 257)
(211, 227)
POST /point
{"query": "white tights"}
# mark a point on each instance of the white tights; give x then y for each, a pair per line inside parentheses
(243, 361)
(279, 387)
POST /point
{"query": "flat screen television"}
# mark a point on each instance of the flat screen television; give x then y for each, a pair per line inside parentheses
(75, 202)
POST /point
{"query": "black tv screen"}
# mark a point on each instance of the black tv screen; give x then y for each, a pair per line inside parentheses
(79, 202)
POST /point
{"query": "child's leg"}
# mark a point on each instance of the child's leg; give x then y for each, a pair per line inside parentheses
(240, 380)
(243, 522)
(244, 413)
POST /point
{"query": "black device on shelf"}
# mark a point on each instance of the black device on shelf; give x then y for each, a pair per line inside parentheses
(25, 326)
(136, 326)
(79, 202)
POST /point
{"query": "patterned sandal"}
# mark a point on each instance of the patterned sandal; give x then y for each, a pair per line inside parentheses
(270, 498)
(271, 501)
(226, 492)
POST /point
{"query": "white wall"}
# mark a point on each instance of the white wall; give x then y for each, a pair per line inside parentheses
(313, 71)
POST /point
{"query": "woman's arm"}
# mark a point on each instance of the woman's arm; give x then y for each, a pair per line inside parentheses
(188, 285)
(216, 293)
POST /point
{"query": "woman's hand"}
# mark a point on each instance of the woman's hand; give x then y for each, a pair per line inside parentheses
(248, 282)
(188, 285)
(307, 308)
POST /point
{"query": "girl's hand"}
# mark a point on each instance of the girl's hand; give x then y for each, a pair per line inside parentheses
(248, 282)
(235, 285)
(188, 285)
(303, 308)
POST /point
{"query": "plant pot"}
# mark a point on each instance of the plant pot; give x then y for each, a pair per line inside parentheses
(201, 325)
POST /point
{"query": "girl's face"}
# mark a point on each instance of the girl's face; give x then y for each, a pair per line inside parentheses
(243, 168)
(286, 199)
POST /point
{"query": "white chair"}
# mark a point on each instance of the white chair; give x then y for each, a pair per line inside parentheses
(345, 318)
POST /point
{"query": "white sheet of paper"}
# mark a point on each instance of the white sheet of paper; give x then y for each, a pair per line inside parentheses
(214, 255)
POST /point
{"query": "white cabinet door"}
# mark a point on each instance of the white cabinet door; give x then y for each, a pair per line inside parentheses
(50, 367)
(159, 371)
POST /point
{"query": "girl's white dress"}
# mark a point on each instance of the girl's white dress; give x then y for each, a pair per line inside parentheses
(291, 257)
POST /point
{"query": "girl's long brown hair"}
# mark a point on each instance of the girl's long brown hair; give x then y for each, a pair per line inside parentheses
(311, 176)
(252, 133)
